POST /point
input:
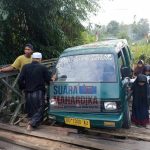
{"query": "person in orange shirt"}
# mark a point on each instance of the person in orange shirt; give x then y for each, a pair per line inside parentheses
(21, 60)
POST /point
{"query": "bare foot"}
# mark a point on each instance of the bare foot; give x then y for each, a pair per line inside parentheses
(29, 127)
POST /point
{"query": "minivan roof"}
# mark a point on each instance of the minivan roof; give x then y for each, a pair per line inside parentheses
(107, 44)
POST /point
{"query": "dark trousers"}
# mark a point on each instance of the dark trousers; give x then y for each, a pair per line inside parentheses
(34, 107)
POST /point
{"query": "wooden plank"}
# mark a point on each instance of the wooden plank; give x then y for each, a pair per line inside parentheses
(36, 143)
(60, 129)
(84, 142)
(40, 143)
(76, 139)
(54, 129)
(11, 88)
(126, 144)
(48, 63)
(51, 136)
(133, 133)
(8, 74)
(4, 145)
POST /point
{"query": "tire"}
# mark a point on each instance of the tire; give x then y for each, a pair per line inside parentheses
(127, 118)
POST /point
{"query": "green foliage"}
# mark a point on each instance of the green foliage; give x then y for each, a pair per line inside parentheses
(140, 29)
(123, 35)
(141, 51)
(87, 37)
(113, 28)
(50, 25)
(131, 32)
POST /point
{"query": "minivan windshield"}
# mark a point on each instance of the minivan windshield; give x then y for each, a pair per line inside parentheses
(87, 68)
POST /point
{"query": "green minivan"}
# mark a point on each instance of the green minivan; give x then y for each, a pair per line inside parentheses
(90, 89)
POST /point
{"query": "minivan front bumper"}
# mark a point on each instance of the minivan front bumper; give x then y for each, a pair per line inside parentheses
(109, 120)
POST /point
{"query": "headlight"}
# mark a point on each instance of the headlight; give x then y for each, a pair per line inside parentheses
(110, 106)
(53, 102)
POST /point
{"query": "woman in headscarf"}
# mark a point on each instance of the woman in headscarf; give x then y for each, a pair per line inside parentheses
(139, 68)
(146, 72)
(140, 114)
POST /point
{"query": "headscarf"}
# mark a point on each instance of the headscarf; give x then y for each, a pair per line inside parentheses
(146, 68)
(139, 70)
(141, 62)
(140, 92)
(141, 78)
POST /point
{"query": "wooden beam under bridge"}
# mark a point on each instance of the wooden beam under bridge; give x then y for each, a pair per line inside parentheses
(11, 89)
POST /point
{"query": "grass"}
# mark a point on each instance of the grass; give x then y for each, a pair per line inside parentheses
(141, 51)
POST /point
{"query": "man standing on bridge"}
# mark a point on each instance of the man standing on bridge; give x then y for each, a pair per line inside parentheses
(32, 80)
(21, 60)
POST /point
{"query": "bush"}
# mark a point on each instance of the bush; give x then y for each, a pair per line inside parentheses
(141, 51)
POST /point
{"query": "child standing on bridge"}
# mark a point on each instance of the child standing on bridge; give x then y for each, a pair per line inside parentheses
(140, 114)
(139, 68)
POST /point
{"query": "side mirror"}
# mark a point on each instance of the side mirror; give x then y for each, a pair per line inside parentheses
(63, 78)
(125, 72)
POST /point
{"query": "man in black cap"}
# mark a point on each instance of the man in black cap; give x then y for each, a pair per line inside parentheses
(21, 60)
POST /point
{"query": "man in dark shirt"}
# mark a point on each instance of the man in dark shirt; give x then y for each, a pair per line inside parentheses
(32, 80)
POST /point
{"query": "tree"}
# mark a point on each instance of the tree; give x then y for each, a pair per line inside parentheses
(123, 35)
(124, 32)
(113, 28)
(50, 25)
(140, 29)
(143, 27)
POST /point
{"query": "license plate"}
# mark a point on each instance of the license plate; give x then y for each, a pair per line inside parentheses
(78, 122)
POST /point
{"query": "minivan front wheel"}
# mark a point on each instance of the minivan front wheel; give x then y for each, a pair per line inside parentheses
(127, 118)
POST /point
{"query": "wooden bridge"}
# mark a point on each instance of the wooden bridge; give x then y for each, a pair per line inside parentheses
(62, 138)
(11, 99)
(52, 136)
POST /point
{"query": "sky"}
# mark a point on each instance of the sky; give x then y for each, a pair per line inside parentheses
(123, 11)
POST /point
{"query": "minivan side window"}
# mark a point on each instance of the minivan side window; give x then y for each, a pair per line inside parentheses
(129, 52)
(121, 62)
(126, 55)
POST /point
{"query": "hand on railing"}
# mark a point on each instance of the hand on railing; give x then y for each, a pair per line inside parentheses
(53, 77)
